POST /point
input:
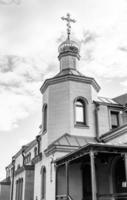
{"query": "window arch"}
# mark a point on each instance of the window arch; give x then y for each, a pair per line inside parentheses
(45, 117)
(43, 182)
(80, 107)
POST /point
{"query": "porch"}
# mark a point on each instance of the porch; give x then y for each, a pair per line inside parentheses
(94, 172)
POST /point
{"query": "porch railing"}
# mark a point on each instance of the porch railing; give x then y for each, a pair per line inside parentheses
(115, 196)
(63, 197)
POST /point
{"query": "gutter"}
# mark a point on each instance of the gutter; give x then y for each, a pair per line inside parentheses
(96, 120)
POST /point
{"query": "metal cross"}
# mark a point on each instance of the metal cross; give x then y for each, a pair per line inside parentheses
(69, 20)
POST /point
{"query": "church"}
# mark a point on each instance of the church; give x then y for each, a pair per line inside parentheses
(81, 150)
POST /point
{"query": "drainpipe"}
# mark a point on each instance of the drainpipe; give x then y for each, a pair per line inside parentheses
(96, 120)
(23, 154)
(13, 171)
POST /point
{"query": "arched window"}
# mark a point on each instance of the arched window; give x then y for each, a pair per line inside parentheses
(44, 117)
(80, 112)
(43, 182)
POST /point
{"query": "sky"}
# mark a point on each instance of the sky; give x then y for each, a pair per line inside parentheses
(30, 33)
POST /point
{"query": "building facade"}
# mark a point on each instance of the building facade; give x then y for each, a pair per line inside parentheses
(80, 152)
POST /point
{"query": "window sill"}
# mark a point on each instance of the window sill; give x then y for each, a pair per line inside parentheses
(81, 126)
(114, 128)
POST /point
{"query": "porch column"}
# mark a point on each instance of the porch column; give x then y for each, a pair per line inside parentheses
(125, 160)
(56, 180)
(67, 179)
(93, 176)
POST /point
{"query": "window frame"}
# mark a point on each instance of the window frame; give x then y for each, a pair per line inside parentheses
(19, 189)
(84, 102)
(43, 183)
(45, 116)
(35, 151)
(117, 112)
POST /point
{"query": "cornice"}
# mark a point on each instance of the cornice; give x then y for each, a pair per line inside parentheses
(59, 148)
(70, 77)
(31, 145)
(37, 159)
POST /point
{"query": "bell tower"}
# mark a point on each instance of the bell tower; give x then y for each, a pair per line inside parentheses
(67, 97)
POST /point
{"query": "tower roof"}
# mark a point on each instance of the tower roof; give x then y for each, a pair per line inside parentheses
(69, 47)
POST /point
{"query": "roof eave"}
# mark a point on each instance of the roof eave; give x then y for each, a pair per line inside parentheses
(70, 77)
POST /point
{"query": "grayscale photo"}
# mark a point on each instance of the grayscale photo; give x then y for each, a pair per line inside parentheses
(63, 100)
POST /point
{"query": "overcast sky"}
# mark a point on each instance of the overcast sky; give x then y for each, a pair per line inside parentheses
(30, 32)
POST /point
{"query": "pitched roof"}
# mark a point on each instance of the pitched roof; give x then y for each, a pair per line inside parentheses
(69, 143)
(73, 140)
(122, 99)
(114, 133)
(107, 100)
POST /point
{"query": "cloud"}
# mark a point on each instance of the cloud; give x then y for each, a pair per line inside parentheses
(124, 83)
(88, 37)
(123, 48)
(29, 30)
(20, 80)
(8, 2)
(103, 53)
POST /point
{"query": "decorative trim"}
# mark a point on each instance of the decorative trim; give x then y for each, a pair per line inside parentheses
(67, 53)
(59, 148)
(70, 77)
(37, 159)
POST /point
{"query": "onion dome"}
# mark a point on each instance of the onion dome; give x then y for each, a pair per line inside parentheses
(69, 48)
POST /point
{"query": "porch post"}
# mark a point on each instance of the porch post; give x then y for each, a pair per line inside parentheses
(125, 160)
(67, 179)
(56, 181)
(93, 176)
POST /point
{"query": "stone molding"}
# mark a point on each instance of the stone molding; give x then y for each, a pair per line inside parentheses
(59, 148)
(70, 77)
(37, 159)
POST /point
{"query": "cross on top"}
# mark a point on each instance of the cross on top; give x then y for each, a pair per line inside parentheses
(69, 20)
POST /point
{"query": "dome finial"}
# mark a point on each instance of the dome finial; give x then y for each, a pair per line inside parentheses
(69, 20)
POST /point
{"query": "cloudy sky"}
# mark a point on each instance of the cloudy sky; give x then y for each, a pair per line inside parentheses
(30, 32)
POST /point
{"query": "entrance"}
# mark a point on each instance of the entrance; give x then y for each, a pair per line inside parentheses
(86, 179)
(119, 179)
